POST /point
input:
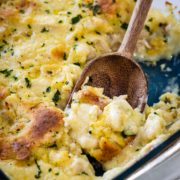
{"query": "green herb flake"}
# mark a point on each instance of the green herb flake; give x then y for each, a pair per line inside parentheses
(22, 11)
(54, 145)
(90, 43)
(47, 11)
(124, 26)
(6, 72)
(5, 42)
(28, 82)
(57, 174)
(75, 46)
(44, 30)
(162, 24)
(38, 175)
(167, 100)
(150, 19)
(67, 82)
(29, 26)
(96, 10)
(15, 78)
(76, 38)
(50, 169)
(147, 28)
(97, 32)
(77, 64)
(1, 46)
(76, 19)
(84, 173)
(48, 89)
(65, 56)
(60, 21)
(43, 45)
(17, 130)
(56, 96)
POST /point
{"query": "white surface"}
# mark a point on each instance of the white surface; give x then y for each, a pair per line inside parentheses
(160, 4)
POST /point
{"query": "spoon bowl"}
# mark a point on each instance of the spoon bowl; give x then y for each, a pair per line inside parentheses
(118, 76)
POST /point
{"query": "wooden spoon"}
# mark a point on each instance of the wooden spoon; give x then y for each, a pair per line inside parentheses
(117, 72)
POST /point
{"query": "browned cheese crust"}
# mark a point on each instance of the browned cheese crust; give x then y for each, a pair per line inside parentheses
(92, 98)
(45, 119)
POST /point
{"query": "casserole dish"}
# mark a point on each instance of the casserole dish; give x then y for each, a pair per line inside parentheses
(44, 46)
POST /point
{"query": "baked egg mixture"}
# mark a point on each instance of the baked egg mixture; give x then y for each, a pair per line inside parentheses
(44, 45)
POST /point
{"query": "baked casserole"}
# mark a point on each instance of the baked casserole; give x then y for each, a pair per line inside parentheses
(44, 45)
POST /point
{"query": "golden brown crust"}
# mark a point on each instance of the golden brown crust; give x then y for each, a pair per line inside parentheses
(22, 148)
(106, 6)
(25, 3)
(4, 13)
(44, 120)
(91, 98)
(107, 150)
(3, 92)
(6, 150)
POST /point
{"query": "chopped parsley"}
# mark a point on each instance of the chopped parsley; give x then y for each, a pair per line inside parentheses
(97, 32)
(28, 82)
(44, 30)
(76, 38)
(47, 11)
(162, 24)
(67, 82)
(147, 28)
(6, 72)
(65, 56)
(38, 175)
(15, 78)
(96, 9)
(5, 42)
(29, 26)
(90, 43)
(77, 64)
(69, 13)
(1, 46)
(124, 25)
(54, 145)
(56, 96)
(43, 45)
(60, 21)
(150, 19)
(123, 134)
(76, 19)
(48, 89)
(167, 100)
(57, 174)
(75, 46)
(84, 173)
(21, 11)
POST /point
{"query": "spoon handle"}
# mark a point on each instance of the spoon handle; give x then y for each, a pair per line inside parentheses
(134, 29)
